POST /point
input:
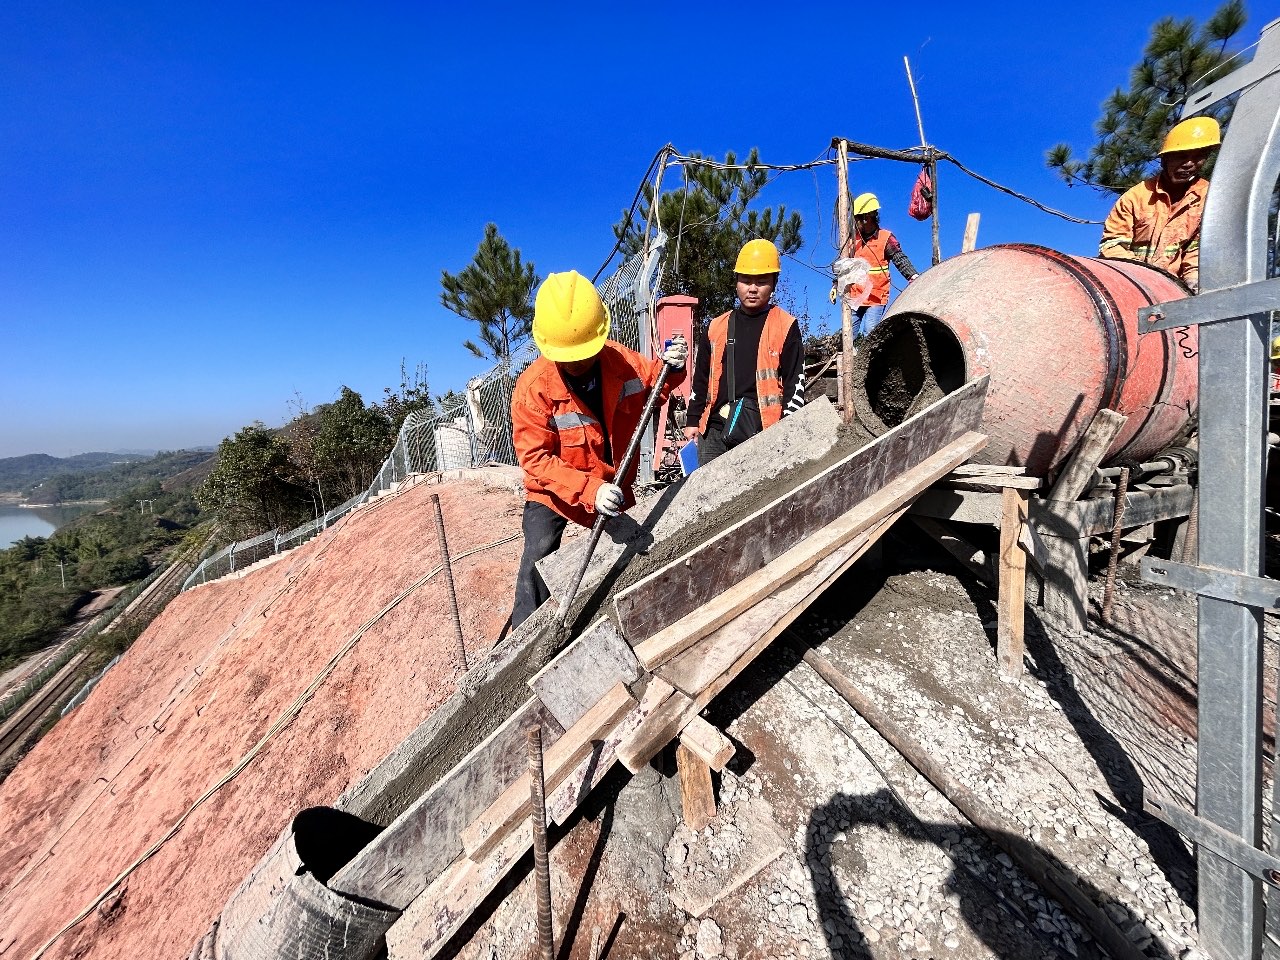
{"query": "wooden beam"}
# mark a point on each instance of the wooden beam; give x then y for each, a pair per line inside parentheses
(669, 713)
(707, 743)
(987, 481)
(1084, 518)
(987, 469)
(512, 808)
(675, 591)
(1011, 594)
(970, 242)
(704, 664)
(697, 793)
(688, 630)
(1077, 475)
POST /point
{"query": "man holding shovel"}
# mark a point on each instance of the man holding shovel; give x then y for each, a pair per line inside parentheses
(573, 412)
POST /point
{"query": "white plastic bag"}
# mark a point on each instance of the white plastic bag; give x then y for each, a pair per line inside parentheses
(853, 280)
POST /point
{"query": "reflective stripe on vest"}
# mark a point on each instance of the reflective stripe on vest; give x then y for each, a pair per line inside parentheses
(566, 421)
(768, 358)
(635, 385)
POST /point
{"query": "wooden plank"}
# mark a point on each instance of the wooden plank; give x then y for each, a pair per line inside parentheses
(988, 469)
(584, 672)
(656, 601)
(513, 807)
(1011, 593)
(707, 743)
(700, 666)
(1084, 518)
(970, 242)
(403, 860)
(1077, 475)
(688, 630)
(974, 560)
(962, 507)
(697, 793)
(999, 481)
(658, 728)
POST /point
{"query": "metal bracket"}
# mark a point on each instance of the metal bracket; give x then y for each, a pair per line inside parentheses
(1234, 82)
(1259, 592)
(1212, 306)
(1214, 838)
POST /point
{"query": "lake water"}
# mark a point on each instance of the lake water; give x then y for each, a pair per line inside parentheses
(18, 522)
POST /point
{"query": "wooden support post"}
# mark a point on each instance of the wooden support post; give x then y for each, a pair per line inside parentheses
(697, 793)
(1066, 580)
(846, 312)
(1077, 476)
(1011, 602)
(708, 744)
(970, 233)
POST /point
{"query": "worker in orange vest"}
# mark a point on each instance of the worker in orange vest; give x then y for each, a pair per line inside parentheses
(879, 248)
(1158, 220)
(573, 412)
(749, 364)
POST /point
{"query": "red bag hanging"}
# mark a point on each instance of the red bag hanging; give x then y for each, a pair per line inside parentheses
(921, 205)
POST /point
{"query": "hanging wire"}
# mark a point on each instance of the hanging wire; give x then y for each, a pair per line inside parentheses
(680, 227)
(635, 201)
(941, 155)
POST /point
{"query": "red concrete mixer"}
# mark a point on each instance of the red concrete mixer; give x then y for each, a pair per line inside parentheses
(1058, 335)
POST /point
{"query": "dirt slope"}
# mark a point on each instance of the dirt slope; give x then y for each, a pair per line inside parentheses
(204, 685)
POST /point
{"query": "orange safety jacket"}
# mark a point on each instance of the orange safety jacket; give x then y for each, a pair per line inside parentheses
(768, 363)
(559, 443)
(1145, 224)
(875, 252)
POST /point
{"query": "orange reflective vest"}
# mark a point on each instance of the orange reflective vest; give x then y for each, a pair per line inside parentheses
(768, 364)
(1145, 224)
(874, 251)
(558, 441)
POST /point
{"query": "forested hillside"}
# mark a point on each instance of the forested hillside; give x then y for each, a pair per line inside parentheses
(21, 474)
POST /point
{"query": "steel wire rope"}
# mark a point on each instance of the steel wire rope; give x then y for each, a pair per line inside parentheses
(275, 729)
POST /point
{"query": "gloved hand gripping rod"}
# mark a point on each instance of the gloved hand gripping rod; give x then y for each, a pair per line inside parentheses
(598, 527)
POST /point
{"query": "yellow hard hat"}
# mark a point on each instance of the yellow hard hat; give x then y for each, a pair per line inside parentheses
(865, 203)
(757, 258)
(1194, 134)
(1275, 349)
(570, 321)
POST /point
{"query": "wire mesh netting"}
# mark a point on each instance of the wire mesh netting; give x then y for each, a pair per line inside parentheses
(471, 430)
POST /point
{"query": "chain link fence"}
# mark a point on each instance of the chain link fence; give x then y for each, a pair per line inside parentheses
(471, 430)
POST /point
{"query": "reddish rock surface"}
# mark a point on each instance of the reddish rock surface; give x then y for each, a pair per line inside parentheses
(205, 687)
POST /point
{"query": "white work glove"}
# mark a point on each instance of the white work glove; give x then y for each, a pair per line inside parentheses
(609, 499)
(676, 354)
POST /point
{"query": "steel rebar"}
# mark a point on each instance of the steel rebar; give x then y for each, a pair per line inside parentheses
(541, 868)
(1117, 522)
(448, 579)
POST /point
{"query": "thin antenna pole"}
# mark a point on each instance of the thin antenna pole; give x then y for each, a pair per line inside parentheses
(929, 160)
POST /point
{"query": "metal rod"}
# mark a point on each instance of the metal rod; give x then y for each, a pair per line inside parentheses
(620, 474)
(541, 868)
(1117, 528)
(448, 579)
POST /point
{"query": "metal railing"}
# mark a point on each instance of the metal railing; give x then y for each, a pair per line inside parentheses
(472, 430)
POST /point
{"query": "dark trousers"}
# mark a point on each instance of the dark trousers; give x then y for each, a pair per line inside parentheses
(543, 528)
(711, 444)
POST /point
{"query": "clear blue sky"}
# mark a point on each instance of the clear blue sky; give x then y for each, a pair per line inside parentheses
(209, 208)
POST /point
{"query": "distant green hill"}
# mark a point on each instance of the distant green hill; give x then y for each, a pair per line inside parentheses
(91, 476)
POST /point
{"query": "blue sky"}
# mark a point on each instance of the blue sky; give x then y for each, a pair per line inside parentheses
(208, 210)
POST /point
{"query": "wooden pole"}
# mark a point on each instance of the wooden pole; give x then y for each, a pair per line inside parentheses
(846, 312)
(970, 233)
(1011, 592)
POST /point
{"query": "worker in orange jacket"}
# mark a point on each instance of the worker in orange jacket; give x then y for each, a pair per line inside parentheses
(879, 248)
(767, 361)
(1158, 220)
(573, 413)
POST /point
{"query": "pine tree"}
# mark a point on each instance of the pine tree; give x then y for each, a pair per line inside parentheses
(1178, 58)
(708, 219)
(496, 291)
